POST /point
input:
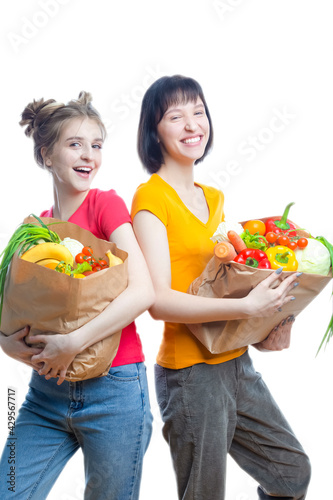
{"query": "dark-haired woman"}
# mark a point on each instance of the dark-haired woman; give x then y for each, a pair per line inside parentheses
(211, 405)
(109, 417)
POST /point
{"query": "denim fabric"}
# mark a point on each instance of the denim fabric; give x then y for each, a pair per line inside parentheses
(212, 410)
(108, 417)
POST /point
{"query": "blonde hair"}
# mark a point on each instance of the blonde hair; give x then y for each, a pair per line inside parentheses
(45, 119)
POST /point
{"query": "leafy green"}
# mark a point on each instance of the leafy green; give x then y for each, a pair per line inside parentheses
(81, 268)
(254, 240)
(23, 238)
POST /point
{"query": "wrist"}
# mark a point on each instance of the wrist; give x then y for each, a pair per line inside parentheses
(75, 339)
(246, 308)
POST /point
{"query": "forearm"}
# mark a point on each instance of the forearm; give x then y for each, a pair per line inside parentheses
(132, 302)
(178, 307)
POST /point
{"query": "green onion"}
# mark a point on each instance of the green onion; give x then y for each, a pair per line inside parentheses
(329, 332)
(25, 236)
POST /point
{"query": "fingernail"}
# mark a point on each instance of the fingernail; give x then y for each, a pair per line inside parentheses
(299, 274)
(279, 271)
(291, 318)
(293, 298)
(296, 284)
(284, 322)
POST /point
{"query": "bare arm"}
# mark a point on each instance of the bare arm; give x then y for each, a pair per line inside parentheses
(60, 350)
(15, 347)
(174, 306)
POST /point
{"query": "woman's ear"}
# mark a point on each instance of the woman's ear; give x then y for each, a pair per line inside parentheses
(46, 158)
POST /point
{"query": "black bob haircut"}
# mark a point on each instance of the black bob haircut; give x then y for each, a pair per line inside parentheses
(165, 92)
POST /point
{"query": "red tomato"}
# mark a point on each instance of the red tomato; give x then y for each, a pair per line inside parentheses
(302, 243)
(292, 245)
(86, 273)
(87, 251)
(103, 263)
(271, 237)
(96, 268)
(90, 260)
(283, 240)
(79, 258)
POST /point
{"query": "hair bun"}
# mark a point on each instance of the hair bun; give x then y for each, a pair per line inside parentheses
(37, 112)
(85, 98)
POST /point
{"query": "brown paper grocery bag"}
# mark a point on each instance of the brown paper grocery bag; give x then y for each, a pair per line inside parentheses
(51, 302)
(236, 281)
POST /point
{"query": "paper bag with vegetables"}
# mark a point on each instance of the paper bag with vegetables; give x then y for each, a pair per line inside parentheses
(55, 277)
(244, 254)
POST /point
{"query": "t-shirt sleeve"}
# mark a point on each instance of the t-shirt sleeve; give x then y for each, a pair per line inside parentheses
(111, 211)
(46, 213)
(150, 198)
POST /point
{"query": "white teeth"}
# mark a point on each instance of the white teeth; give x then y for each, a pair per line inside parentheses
(84, 169)
(194, 139)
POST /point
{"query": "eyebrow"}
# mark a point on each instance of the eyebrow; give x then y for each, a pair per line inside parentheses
(77, 138)
(200, 105)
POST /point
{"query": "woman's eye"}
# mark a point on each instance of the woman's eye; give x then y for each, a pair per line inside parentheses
(75, 144)
(97, 146)
(174, 118)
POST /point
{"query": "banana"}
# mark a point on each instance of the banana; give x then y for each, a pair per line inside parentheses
(48, 262)
(113, 259)
(48, 250)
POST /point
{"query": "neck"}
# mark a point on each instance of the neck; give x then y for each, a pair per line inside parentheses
(65, 204)
(179, 176)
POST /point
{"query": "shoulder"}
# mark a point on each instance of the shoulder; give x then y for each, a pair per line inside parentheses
(109, 209)
(150, 196)
(152, 187)
(99, 197)
(47, 213)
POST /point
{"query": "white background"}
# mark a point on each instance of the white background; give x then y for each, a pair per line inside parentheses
(256, 61)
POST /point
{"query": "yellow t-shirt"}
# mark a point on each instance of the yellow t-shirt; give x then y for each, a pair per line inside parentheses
(190, 249)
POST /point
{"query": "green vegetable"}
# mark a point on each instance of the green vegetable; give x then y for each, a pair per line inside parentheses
(329, 332)
(327, 244)
(315, 258)
(25, 236)
(73, 246)
(254, 240)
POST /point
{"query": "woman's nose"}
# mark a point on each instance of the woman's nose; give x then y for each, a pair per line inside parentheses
(190, 124)
(87, 152)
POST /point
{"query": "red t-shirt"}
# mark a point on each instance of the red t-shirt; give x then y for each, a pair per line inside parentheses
(101, 213)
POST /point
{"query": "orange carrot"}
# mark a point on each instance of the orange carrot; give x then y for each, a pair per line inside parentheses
(236, 241)
(225, 252)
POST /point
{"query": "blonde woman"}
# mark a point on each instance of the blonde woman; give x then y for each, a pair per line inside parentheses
(109, 417)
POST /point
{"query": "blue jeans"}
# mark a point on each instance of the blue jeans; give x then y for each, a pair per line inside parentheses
(212, 410)
(108, 417)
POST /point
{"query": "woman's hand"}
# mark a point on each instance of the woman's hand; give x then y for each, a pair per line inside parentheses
(57, 354)
(15, 347)
(265, 301)
(279, 337)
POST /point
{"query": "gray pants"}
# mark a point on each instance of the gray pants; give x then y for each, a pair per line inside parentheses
(211, 410)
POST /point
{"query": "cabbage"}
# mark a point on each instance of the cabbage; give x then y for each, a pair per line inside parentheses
(73, 246)
(222, 231)
(314, 258)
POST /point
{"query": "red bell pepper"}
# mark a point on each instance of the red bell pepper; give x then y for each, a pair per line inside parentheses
(254, 258)
(281, 224)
